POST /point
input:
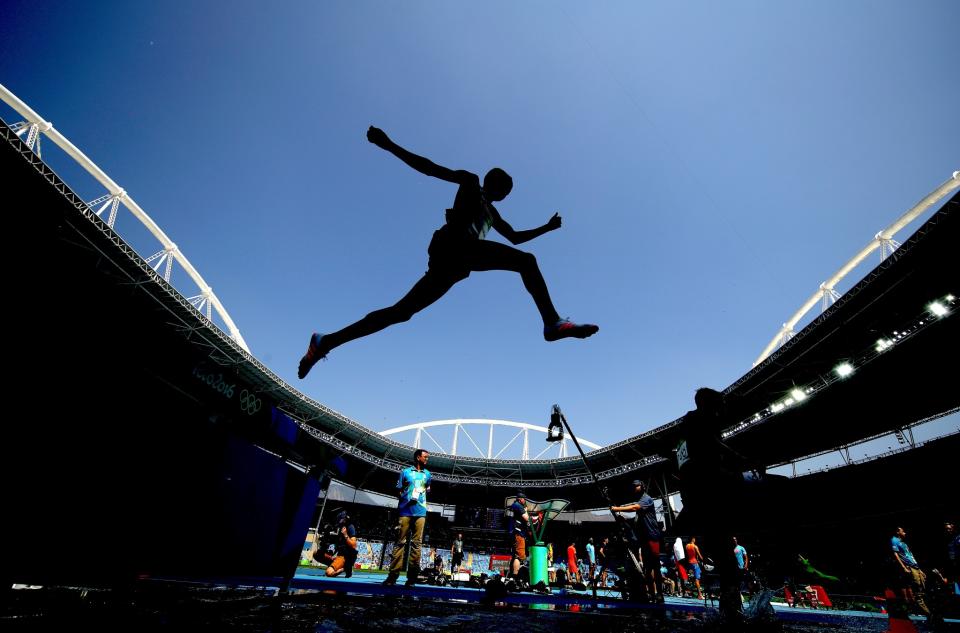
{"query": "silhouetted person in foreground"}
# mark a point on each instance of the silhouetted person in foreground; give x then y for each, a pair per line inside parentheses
(711, 486)
(457, 249)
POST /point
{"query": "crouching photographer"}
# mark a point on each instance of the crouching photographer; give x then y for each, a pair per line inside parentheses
(338, 547)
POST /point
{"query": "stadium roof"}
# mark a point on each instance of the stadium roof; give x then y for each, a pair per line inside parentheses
(91, 277)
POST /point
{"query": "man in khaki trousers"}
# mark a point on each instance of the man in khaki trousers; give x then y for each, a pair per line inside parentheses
(413, 484)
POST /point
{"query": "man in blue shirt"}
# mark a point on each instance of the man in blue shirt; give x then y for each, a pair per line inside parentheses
(743, 561)
(913, 578)
(591, 559)
(413, 484)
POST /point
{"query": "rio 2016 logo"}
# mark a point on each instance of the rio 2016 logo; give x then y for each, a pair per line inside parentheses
(215, 382)
(249, 402)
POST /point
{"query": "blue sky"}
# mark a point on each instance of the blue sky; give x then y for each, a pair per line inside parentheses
(713, 163)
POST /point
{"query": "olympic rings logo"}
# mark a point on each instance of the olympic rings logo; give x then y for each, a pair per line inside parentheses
(249, 403)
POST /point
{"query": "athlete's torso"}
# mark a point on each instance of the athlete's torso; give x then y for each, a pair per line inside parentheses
(472, 215)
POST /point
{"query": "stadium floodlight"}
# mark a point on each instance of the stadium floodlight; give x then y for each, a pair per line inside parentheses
(938, 309)
(798, 395)
(843, 370)
(883, 345)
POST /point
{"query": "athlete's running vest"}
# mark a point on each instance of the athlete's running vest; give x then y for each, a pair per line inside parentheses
(476, 223)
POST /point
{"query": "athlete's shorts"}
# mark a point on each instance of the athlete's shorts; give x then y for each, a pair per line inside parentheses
(693, 569)
(682, 571)
(519, 547)
(447, 252)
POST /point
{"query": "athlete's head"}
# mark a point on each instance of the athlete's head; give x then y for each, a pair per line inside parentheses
(497, 184)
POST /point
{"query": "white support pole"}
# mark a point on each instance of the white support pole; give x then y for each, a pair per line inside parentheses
(828, 297)
(475, 445)
(32, 136)
(456, 432)
(114, 208)
(160, 260)
(878, 241)
(106, 203)
(490, 443)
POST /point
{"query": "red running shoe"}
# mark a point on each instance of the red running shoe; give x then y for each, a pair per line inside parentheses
(315, 352)
(565, 328)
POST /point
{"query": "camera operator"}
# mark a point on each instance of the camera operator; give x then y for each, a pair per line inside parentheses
(649, 537)
(345, 556)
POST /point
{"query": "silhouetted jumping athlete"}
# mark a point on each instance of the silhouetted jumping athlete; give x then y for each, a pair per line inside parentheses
(457, 249)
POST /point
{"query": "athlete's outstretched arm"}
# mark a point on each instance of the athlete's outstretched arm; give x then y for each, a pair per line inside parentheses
(424, 165)
(519, 237)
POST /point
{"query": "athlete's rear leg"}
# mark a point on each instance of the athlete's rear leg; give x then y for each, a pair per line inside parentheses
(428, 289)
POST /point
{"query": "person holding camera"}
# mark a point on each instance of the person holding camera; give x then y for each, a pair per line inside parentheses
(649, 535)
(517, 537)
(346, 551)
